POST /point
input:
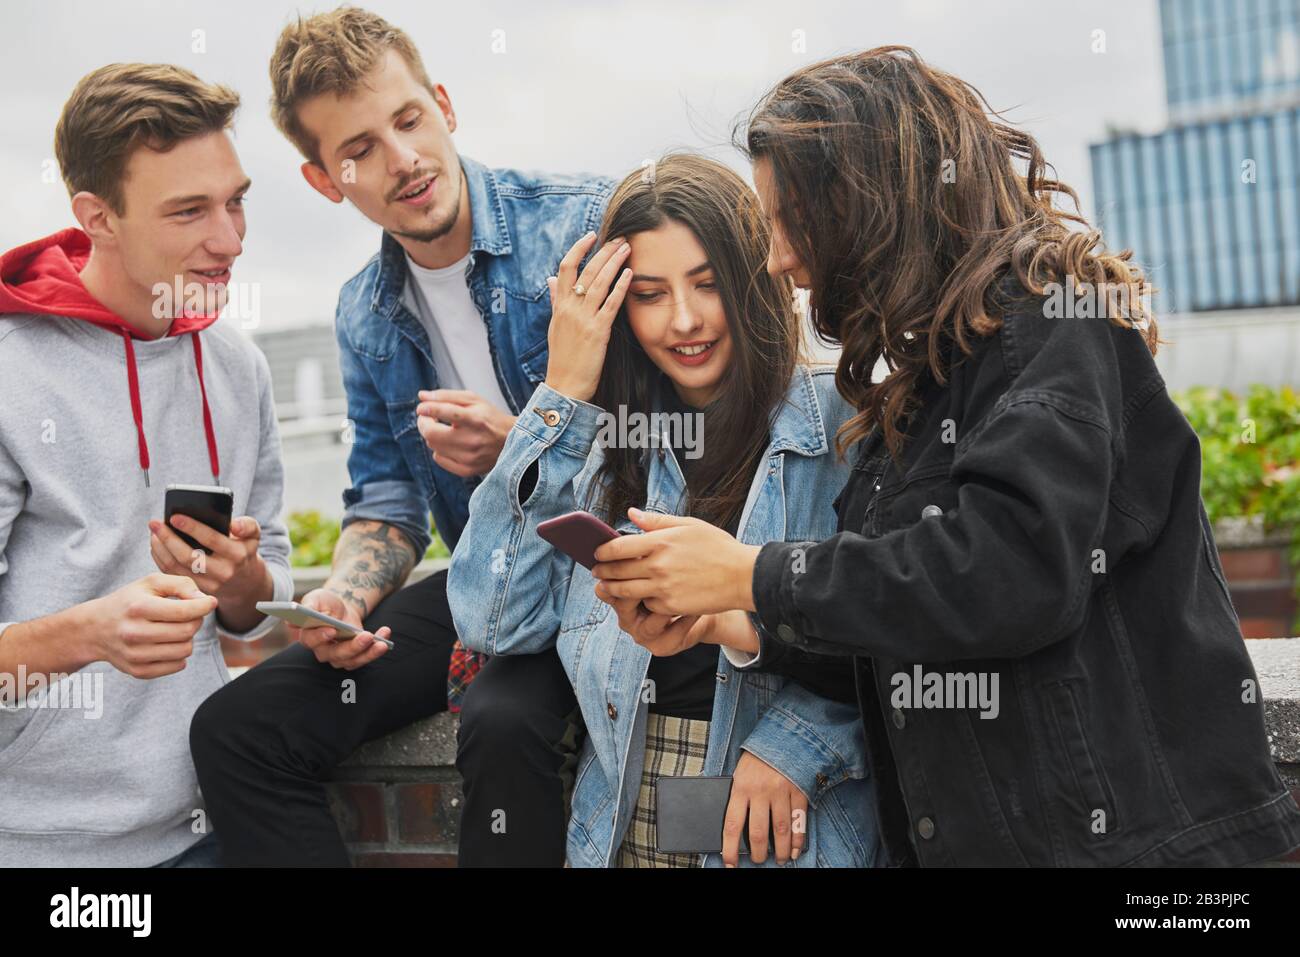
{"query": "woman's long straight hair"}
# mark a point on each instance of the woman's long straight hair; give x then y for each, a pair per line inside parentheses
(897, 187)
(724, 214)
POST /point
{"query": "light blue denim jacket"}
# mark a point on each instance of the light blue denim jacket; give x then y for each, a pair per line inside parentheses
(512, 593)
(524, 223)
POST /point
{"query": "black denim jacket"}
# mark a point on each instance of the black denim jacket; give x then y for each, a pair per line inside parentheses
(1044, 530)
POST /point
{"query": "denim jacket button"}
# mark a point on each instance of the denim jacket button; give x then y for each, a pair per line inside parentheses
(785, 632)
(822, 780)
(900, 719)
(925, 827)
(549, 416)
(611, 711)
(931, 511)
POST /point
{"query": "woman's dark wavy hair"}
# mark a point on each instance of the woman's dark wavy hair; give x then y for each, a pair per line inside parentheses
(722, 211)
(897, 187)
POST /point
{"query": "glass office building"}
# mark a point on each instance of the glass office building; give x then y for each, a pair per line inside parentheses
(1229, 56)
(1211, 206)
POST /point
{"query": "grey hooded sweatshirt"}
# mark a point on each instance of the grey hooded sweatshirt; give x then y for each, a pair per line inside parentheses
(95, 770)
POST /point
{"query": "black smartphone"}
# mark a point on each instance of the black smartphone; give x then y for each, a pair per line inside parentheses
(209, 504)
(690, 812)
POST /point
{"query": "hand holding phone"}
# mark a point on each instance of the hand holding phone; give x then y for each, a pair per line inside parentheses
(320, 614)
(578, 535)
(199, 539)
(300, 616)
(761, 797)
(212, 505)
(691, 813)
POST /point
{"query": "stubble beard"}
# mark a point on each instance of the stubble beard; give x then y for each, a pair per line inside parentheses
(438, 229)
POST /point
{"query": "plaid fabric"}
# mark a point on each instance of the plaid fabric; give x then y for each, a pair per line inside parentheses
(674, 747)
(461, 670)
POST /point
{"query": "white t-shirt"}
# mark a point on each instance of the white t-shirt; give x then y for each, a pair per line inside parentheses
(441, 300)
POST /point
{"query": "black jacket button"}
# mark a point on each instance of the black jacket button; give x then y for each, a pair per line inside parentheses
(925, 827)
(900, 720)
(785, 632)
(931, 511)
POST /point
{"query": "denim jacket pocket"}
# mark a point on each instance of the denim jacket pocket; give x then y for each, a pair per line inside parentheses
(1091, 786)
(533, 360)
(845, 833)
(403, 420)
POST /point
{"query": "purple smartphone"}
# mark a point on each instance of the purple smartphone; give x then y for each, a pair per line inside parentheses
(578, 535)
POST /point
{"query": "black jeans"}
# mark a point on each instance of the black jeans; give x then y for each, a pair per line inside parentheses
(520, 732)
(266, 743)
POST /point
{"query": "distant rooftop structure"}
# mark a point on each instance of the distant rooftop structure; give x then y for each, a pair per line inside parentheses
(305, 374)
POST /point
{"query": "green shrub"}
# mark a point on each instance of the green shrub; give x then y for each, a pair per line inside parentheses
(314, 537)
(1250, 456)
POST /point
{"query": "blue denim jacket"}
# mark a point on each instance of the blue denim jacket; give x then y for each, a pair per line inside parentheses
(524, 223)
(512, 593)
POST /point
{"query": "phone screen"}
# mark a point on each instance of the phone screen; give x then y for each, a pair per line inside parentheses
(210, 505)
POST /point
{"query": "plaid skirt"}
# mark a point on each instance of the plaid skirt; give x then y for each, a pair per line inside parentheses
(675, 747)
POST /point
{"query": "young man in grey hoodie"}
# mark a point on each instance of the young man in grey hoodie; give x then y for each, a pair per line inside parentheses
(112, 386)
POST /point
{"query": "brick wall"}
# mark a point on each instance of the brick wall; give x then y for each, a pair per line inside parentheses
(397, 800)
(1260, 579)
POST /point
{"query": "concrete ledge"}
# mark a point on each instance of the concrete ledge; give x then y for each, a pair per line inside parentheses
(1248, 533)
(1277, 662)
(430, 743)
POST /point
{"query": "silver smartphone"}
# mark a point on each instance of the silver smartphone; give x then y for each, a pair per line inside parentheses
(300, 616)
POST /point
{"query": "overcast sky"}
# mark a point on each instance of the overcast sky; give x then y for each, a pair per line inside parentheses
(580, 86)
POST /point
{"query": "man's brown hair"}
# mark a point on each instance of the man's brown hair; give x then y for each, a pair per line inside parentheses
(119, 107)
(330, 53)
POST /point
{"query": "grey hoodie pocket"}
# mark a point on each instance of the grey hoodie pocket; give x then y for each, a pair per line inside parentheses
(127, 769)
(33, 724)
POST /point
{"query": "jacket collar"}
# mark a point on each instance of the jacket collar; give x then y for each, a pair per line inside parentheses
(799, 425)
(491, 234)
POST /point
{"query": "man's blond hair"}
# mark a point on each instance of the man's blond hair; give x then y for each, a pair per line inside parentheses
(330, 53)
(122, 106)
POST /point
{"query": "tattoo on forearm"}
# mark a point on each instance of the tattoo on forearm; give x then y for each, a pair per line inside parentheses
(370, 560)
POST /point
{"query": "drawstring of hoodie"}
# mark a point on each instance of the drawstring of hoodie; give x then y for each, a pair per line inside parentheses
(208, 431)
(133, 382)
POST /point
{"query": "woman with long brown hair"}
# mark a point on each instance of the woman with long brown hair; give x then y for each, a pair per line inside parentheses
(674, 384)
(1049, 666)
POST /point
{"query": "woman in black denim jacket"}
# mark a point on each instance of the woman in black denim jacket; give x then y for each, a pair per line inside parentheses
(1024, 585)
